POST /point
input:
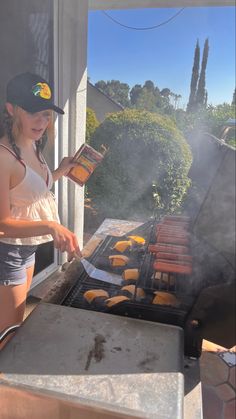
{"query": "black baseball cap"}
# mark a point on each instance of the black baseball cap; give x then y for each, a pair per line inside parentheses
(31, 92)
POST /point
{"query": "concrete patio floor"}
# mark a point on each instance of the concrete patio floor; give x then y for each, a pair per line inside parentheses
(218, 376)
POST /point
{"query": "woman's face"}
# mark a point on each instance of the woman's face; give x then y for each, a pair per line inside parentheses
(32, 125)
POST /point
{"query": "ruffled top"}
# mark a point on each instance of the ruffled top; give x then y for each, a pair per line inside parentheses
(32, 200)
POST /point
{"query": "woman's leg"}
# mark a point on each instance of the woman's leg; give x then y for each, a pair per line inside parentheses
(12, 306)
(30, 273)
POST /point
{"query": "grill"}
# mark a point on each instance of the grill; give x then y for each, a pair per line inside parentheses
(152, 281)
(192, 258)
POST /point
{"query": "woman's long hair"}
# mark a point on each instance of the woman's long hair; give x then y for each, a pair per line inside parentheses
(11, 127)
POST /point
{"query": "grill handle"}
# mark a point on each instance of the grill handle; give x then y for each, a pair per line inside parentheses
(8, 331)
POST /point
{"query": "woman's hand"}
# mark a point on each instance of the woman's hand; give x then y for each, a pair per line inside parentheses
(65, 240)
(64, 167)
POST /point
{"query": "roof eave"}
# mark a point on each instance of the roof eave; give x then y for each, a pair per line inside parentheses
(136, 4)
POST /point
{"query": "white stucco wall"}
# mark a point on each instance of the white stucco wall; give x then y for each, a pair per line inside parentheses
(100, 103)
(71, 17)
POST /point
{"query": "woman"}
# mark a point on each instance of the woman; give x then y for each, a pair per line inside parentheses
(28, 213)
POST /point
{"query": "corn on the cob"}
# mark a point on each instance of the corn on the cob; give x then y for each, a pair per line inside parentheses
(122, 246)
(137, 239)
(165, 298)
(131, 289)
(130, 274)
(90, 295)
(118, 260)
(116, 300)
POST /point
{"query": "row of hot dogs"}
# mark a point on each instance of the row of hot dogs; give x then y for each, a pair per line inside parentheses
(172, 247)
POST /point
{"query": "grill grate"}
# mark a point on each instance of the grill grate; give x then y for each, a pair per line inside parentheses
(142, 310)
(133, 308)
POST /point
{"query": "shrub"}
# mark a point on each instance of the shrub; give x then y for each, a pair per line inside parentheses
(145, 169)
(217, 117)
(91, 124)
(210, 120)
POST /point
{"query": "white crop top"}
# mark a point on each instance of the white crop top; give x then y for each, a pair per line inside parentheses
(32, 200)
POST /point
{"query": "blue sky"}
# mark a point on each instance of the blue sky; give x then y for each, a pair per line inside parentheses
(164, 55)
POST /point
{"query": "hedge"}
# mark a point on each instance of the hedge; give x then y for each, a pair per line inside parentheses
(146, 168)
(91, 124)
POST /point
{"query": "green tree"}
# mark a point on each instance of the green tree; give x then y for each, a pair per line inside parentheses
(149, 85)
(147, 100)
(91, 124)
(146, 168)
(149, 97)
(115, 90)
(216, 117)
(234, 98)
(176, 99)
(135, 93)
(194, 79)
(165, 92)
(201, 92)
(205, 99)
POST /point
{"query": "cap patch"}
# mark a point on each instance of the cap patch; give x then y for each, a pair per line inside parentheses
(42, 90)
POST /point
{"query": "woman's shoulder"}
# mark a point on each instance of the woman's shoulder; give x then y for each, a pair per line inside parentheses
(6, 154)
(4, 141)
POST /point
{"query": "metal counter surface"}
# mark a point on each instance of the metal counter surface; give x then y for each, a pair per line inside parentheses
(116, 363)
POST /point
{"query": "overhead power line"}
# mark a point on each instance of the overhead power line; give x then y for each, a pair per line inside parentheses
(144, 28)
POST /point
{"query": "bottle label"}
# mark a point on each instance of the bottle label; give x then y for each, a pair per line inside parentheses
(87, 159)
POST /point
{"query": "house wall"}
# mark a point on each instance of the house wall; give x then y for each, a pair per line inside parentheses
(100, 103)
(25, 40)
(70, 64)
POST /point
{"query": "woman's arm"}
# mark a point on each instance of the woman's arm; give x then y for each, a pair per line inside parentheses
(64, 239)
(63, 168)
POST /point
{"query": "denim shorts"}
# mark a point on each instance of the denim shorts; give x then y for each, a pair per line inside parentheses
(14, 260)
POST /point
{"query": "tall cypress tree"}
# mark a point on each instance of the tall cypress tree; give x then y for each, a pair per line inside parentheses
(234, 98)
(194, 79)
(201, 91)
(205, 99)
